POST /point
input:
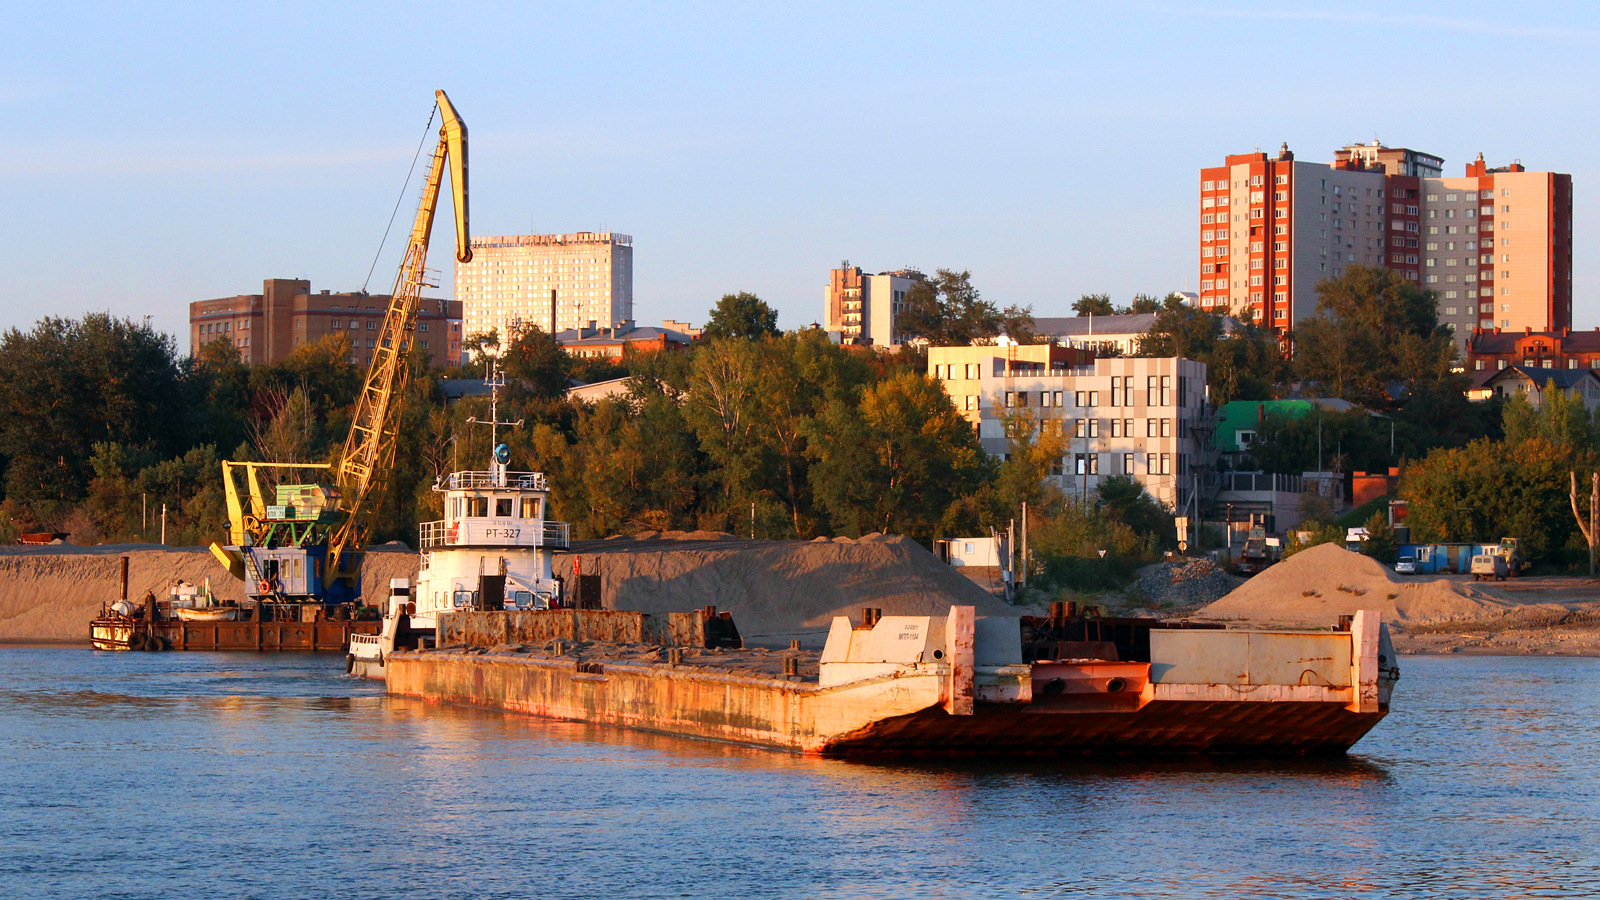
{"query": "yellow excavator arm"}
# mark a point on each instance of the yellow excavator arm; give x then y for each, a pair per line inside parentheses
(363, 467)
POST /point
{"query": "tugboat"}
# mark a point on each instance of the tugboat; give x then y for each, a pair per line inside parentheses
(493, 550)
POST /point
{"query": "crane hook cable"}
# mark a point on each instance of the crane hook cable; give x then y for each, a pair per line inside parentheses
(401, 199)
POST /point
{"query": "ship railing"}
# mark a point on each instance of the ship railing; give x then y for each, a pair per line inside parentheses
(494, 533)
(466, 481)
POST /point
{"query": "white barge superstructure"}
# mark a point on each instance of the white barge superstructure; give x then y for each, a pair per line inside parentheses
(493, 550)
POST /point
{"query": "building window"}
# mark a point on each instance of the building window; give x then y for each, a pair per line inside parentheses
(1116, 428)
(1152, 465)
(1094, 398)
(1080, 399)
(1151, 429)
(1094, 428)
(1127, 464)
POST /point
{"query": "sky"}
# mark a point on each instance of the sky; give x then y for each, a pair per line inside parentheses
(179, 152)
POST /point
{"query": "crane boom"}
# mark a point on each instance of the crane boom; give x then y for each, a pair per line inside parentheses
(363, 467)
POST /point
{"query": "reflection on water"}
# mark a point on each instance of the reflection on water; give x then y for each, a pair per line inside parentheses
(189, 774)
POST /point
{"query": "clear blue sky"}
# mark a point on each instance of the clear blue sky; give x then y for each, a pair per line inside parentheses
(175, 152)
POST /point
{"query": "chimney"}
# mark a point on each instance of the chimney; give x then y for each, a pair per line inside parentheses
(1527, 330)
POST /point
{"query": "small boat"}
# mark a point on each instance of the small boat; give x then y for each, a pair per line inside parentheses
(207, 614)
(196, 603)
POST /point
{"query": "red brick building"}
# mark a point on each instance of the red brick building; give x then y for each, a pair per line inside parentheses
(1491, 349)
(268, 326)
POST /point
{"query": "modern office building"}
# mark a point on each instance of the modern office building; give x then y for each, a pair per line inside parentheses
(1141, 417)
(554, 281)
(863, 308)
(1495, 244)
(268, 326)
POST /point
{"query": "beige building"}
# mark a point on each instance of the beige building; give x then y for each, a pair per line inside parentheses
(1498, 249)
(554, 281)
(1140, 417)
(863, 308)
(266, 327)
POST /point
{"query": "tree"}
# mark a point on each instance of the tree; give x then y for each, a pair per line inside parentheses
(535, 365)
(1380, 544)
(1018, 324)
(1243, 365)
(69, 384)
(1375, 331)
(946, 311)
(896, 460)
(1144, 303)
(1490, 489)
(1125, 500)
(742, 315)
(1093, 305)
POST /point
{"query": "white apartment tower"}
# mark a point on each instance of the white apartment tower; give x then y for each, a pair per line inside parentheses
(554, 281)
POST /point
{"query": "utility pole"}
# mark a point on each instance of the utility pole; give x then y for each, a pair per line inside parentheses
(1024, 567)
(1591, 527)
(144, 516)
(163, 524)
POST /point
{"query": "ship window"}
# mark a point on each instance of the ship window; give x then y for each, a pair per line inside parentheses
(477, 506)
(530, 507)
(462, 599)
(522, 599)
(502, 507)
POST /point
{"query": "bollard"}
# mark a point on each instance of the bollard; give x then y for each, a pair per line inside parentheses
(794, 644)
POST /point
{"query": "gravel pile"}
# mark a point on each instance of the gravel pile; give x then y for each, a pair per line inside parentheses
(1184, 583)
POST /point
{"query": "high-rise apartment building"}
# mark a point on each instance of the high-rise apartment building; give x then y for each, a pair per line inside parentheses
(554, 281)
(863, 308)
(268, 326)
(1496, 244)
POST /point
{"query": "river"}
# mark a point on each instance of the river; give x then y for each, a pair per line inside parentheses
(275, 776)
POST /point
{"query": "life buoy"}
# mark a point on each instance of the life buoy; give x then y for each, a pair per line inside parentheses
(265, 587)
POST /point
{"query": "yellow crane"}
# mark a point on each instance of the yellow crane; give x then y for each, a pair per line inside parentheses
(308, 544)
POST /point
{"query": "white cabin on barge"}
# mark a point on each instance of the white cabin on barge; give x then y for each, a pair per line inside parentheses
(493, 550)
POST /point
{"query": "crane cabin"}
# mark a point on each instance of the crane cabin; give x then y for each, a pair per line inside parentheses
(493, 549)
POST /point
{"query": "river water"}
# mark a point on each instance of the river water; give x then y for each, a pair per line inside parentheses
(275, 776)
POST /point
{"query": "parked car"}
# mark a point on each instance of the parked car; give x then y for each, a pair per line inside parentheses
(1406, 565)
(1489, 565)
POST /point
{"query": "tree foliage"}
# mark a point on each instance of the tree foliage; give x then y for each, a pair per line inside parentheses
(1376, 336)
(947, 311)
(1244, 364)
(1093, 305)
(742, 315)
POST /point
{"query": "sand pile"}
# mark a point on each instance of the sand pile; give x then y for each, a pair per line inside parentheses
(1315, 587)
(776, 589)
(50, 593)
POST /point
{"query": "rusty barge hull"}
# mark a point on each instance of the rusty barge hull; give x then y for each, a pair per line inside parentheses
(1160, 727)
(903, 715)
(307, 637)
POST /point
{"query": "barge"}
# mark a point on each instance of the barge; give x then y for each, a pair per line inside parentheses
(955, 684)
(490, 624)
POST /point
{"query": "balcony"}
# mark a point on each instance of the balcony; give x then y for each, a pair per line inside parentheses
(531, 533)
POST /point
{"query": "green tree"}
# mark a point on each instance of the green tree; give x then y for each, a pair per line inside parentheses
(1125, 500)
(1244, 364)
(1374, 330)
(1018, 324)
(1492, 489)
(741, 315)
(1380, 544)
(535, 365)
(1093, 305)
(894, 461)
(69, 384)
(1144, 303)
(946, 311)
